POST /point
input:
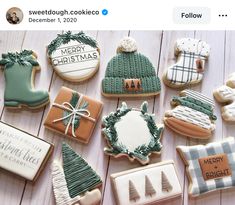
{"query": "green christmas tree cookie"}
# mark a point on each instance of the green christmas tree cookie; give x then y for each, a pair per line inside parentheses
(76, 182)
(19, 71)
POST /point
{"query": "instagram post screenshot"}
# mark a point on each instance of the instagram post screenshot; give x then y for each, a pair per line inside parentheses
(106, 102)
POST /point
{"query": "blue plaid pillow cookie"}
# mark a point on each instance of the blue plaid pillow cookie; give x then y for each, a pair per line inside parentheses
(210, 167)
(191, 56)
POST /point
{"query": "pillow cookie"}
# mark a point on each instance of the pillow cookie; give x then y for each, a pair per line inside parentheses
(226, 94)
(192, 115)
(209, 167)
(189, 68)
(74, 57)
(130, 73)
(76, 182)
(19, 71)
(133, 133)
(150, 184)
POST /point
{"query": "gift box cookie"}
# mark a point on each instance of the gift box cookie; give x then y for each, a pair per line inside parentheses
(210, 167)
(74, 115)
(22, 153)
(146, 185)
(192, 115)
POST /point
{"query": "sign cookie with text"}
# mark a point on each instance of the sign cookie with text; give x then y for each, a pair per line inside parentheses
(22, 153)
(209, 167)
(75, 57)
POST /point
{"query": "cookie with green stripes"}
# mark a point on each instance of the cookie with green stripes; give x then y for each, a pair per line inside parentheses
(74, 57)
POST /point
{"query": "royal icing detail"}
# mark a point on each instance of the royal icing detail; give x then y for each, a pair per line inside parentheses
(191, 56)
(138, 141)
(69, 185)
(74, 114)
(226, 94)
(21, 153)
(210, 167)
(19, 69)
(146, 185)
(74, 57)
(192, 108)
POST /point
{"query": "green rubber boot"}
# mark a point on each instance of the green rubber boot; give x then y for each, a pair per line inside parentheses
(19, 71)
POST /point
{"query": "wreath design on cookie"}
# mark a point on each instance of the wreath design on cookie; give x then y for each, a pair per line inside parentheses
(133, 133)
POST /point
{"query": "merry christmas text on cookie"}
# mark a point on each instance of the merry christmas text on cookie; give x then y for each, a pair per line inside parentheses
(132, 132)
(75, 57)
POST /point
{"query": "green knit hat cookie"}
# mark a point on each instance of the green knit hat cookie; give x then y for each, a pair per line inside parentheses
(130, 73)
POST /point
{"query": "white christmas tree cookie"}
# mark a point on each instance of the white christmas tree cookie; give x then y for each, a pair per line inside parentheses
(226, 95)
(191, 56)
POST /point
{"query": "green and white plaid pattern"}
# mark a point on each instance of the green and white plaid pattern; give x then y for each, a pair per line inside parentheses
(191, 154)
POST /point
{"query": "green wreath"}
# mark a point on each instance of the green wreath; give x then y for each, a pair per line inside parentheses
(141, 152)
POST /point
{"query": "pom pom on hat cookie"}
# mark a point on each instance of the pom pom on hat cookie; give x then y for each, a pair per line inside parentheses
(129, 73)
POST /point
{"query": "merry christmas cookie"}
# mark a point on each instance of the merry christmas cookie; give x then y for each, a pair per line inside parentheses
(75, 57)
(129, 73)
(19, 71)
(209, 167)
(192, 115)
(146, 185)
(22, 153)
(133, 133)
(76, 182)
(74, 115)
(226, 95)
(190, 66)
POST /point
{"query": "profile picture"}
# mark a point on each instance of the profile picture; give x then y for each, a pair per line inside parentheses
(14, 15)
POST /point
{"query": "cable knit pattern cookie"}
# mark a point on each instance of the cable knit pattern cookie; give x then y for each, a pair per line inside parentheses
(133, 133)
(75, 57)
(226, 95)
(19, 71)
(130, 73)
(150, 184)
(209, 167)
(192, 116)
(76, 182)
(189, 68)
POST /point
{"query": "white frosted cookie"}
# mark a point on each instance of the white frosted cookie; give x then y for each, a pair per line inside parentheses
(133, 133)
(21, 153)
(192, 115)
(226, 95)
(146, 185)
(75, 57)
(189, 68)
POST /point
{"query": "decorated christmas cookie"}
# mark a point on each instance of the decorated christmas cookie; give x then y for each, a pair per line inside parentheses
(133, 133)
(209, 167)
(189, 68)
(74, 115)
(76, 183)
(22, 153)
(226, 94)
(192, 116)
(19, 71)
(130, 73)
(75, 57)
(146, 185)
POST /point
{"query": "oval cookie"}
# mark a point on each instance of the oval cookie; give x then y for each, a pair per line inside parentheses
(74, 57)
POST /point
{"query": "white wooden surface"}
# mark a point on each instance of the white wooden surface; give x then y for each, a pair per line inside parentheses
(158, 46)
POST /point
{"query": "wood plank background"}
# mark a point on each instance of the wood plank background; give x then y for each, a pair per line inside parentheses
(159, 47)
